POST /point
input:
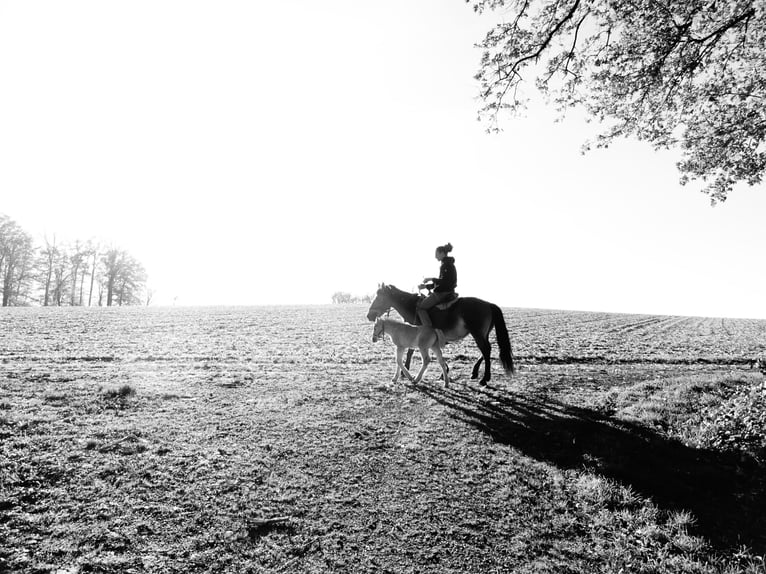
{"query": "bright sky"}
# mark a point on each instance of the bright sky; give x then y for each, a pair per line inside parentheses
(276, 152)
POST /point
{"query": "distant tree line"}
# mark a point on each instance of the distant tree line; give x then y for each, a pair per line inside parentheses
(77, 274)
(344, 297)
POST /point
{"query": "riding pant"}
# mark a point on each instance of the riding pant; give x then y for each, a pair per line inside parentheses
(431, 301)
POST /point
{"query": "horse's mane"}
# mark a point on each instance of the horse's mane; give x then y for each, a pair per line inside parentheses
(394, 291)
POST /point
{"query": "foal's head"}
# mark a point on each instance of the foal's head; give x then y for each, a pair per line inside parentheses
(378, 330)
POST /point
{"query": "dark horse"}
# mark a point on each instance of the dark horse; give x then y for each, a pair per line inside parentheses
(467, 315)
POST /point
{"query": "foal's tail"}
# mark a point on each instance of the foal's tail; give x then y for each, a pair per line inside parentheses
(503, 341)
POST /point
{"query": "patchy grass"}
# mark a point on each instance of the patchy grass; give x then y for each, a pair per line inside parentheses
(246, 444)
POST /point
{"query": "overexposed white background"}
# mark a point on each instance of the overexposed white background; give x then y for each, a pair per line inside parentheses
(277, 152)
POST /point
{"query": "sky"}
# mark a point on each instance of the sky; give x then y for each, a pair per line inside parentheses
(277, 152)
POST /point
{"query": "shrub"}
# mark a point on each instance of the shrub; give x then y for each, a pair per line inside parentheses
(739, 422)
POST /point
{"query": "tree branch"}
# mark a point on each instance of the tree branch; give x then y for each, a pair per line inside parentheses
(512, 70)
(718, 33)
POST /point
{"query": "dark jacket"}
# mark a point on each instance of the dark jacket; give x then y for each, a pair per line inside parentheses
(447, 281)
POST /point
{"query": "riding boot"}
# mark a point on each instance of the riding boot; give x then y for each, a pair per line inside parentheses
(425, 318)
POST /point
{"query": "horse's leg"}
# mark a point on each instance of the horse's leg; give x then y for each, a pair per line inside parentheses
(400, 368)
(409, 358)
(482, 341)
(442, 363)
(475, 372)
(426, 359)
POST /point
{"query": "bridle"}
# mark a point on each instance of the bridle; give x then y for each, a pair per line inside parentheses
(377, 334)
(387, 312)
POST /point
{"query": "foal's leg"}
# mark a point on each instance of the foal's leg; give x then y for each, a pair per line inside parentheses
(426, 359)
(442, 363)
(400, 368)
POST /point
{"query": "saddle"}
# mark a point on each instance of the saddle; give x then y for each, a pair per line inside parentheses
(444, 305)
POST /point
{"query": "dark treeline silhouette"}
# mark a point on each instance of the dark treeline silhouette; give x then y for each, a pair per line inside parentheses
(77, 274)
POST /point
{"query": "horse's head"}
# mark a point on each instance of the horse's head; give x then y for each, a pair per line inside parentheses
(381, 303)
(377, 330)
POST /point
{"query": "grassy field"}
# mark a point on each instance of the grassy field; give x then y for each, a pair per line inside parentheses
(272, 440)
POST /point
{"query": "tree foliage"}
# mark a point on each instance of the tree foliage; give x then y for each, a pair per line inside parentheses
(124, 278)
(688, 74)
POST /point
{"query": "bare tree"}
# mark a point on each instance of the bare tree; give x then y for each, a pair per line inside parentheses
(15, 258)
(61, 276)
(124, 278)
(340, 297)
(94, 252)
(78, 263)
(112, 262)
(131, 282)
(24, 279)
(48, 256)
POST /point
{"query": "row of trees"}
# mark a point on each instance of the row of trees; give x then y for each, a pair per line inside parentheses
(342, 297)
(79, 273)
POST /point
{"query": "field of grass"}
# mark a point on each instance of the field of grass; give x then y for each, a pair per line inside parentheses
(272, 440)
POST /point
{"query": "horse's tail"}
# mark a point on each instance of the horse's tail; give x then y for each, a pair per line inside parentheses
(503, 340)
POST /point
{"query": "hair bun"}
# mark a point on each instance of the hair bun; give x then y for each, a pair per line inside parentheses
(448, 247)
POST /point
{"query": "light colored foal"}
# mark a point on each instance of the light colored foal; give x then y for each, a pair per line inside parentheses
(406, 336)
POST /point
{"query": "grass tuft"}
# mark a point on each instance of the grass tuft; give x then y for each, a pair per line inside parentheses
(122, 392)
(55, 397)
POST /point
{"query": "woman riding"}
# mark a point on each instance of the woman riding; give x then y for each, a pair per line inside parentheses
(443, 286)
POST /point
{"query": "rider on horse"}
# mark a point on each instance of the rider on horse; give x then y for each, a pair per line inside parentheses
(443, 286)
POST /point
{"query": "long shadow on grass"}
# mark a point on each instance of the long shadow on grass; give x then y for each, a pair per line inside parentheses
(724, 493)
